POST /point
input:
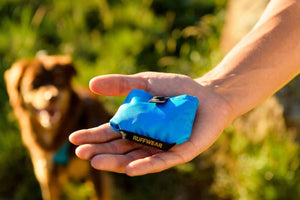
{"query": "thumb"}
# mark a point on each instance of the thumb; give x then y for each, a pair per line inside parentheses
(115, 84)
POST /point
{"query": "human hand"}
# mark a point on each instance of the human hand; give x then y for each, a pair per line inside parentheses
(108, 151)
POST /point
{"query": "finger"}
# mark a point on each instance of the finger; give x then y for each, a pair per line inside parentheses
(117, 163)
(160, 161)
(103, 133)
(115, 85)
(118, 146)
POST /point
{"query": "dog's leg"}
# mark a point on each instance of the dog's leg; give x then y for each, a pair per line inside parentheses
(48, 181)
(102, 182)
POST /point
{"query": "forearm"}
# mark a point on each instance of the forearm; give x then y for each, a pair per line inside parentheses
(262, 62)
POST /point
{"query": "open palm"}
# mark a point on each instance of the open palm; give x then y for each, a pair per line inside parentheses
(108, 151)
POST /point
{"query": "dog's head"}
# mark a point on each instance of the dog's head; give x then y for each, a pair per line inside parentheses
(42, 87)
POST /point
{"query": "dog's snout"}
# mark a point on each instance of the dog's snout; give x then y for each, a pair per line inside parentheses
(51, 93)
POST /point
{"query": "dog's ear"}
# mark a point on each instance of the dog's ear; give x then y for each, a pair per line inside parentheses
(67, 62)
(68, 65)
(64, 61)
(13, 77)
(70, 68)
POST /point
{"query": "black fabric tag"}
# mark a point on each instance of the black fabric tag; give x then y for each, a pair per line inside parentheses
(146, 140)
(158, 99)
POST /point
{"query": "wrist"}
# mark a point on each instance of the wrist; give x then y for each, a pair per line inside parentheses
(216, 98)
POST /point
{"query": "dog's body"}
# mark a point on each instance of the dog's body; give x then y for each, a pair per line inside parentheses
(48, 109)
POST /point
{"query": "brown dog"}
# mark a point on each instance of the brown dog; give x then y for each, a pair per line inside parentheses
(48, 109)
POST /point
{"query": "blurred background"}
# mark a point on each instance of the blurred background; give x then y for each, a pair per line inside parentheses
(257, 157)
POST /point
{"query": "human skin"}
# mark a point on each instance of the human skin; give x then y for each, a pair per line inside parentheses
(260, 64)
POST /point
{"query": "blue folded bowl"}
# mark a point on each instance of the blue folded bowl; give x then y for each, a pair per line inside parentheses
(161, 122)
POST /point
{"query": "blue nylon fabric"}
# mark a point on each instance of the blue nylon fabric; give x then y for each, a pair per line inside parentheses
(169, 122)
